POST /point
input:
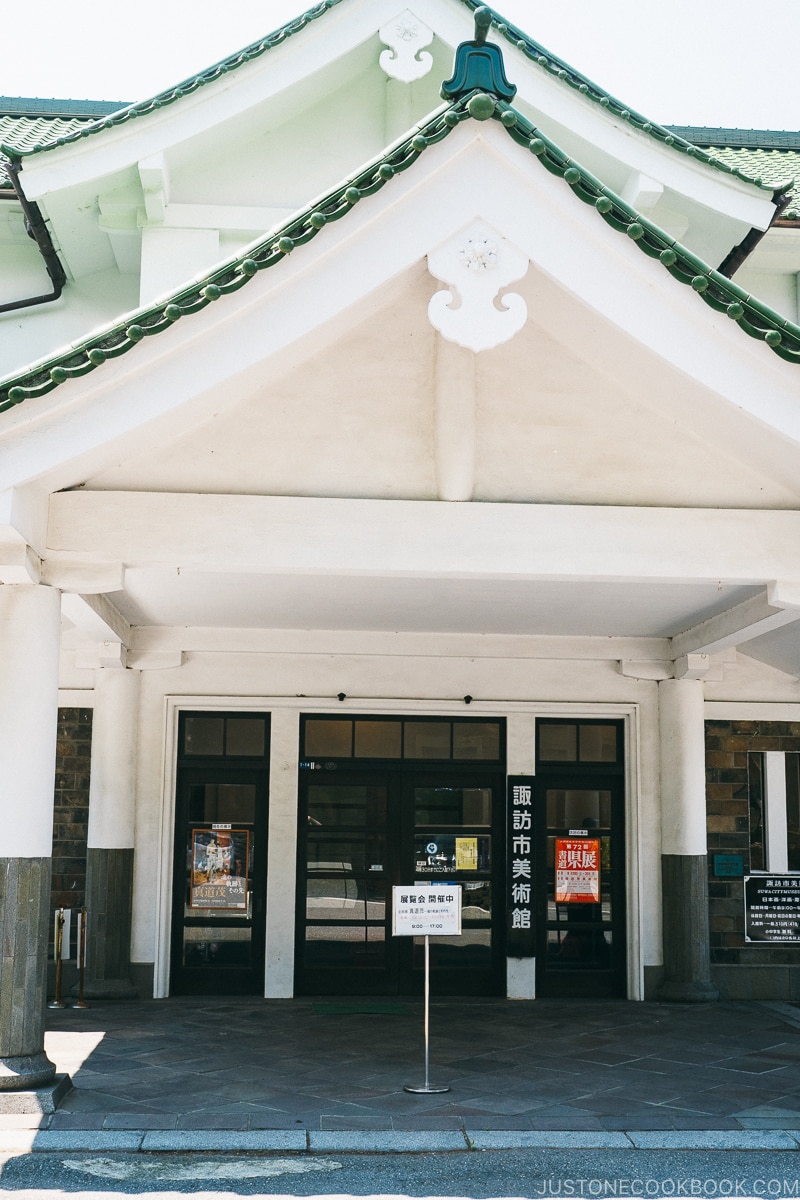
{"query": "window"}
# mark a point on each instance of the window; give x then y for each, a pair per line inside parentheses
(774, 779)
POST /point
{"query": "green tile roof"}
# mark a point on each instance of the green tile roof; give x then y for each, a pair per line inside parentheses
(28, 122)
(550, 63)
(720, 293)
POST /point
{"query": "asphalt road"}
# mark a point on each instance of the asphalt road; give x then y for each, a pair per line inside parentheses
(532, 1174)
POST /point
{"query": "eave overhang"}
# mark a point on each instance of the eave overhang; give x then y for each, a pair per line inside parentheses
(753, 317)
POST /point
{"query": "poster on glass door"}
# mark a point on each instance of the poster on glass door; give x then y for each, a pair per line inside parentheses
(219, 868)
(577, 870)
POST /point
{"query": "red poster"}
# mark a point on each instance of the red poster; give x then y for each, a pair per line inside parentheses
(577, 870)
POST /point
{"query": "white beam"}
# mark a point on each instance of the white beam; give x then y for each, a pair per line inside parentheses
(300, 535)
(97, 617)
(84, 578)
(777, 606)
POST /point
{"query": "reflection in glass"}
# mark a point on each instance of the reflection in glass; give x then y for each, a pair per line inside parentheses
(204, 735)
(449, 853)
(579, 947)
(343, 804)
(245, 737)
(378, 739)
(558, 743)
(578, 808)
(598, 743)
(470, 950)
(346, 854)
(452, 806)
(427, 739)
(475, 739)
(344, 946)
(216, 946)
(329, 739)
(234, 803)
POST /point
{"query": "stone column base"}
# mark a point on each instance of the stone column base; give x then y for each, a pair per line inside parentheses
(687, 992)
(40, 1100)
(22, 1072)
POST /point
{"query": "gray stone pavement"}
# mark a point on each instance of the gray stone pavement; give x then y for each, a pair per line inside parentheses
(247, 1074)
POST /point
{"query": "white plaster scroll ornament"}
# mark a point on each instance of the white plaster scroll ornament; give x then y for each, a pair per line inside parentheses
(405, 59)
(477, 263)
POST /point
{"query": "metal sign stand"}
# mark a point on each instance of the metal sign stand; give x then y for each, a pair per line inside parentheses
(426, 1089)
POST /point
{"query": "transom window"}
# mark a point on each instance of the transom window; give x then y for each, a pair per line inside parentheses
(459, 739)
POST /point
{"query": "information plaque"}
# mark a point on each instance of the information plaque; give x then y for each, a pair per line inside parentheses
(772, 908)
(426, 910)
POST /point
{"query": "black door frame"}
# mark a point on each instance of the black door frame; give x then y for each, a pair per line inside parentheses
(191, 772)
(402, 975)
(595, 983)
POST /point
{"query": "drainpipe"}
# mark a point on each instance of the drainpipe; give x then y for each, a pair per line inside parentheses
(34, 223)
(730, 265)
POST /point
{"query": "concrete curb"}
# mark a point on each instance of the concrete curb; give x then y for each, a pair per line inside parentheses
(357, 1141)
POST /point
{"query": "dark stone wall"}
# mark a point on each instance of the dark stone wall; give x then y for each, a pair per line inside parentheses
(741, 970)
(71, 811)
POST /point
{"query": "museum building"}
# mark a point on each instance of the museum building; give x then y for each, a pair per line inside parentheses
(399, 485)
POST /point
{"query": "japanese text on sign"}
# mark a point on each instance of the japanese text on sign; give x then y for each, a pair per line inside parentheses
(577, 870)
(424, 909)
(772, 908)
(520, 866)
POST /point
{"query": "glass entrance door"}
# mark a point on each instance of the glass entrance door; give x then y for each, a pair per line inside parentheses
(219, 875)
(363, 832)
(579, 875)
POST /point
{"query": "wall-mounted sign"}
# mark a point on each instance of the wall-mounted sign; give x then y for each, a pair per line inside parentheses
(519, 867)
(426, 910)
(772, 908)
(219, 868)
(729, 864)
(577, 870)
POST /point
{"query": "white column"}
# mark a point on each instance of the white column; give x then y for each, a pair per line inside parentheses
(30, 631)
(282, 854)
(683, 766)
(684, 869)
(112, 789)
(110, 842)
(30, 625)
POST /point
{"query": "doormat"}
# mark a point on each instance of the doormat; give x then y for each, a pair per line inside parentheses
(324, 1008)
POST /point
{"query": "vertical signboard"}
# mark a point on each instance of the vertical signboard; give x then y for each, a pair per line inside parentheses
(519, 867)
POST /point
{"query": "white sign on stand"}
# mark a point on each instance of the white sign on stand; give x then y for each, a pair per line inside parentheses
(426, 910)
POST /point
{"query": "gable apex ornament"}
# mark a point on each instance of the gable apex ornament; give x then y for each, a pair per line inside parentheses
(477, 263)
(405, 36)
(479, 66)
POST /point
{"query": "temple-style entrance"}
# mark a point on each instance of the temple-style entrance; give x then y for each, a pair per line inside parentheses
(579, 845)
(366, 825)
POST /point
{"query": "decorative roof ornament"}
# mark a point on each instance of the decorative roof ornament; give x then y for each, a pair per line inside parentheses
(477, 263)
(405, 36)
(479, 66)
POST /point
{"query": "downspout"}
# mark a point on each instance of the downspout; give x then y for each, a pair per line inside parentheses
(34, 223)
(730, 265)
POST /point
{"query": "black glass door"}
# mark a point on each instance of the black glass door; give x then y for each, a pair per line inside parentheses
(220, 862)
(579, 863)
(363, 832)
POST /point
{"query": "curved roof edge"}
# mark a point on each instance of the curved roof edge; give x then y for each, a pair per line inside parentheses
(720, 293)
(532, 49)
